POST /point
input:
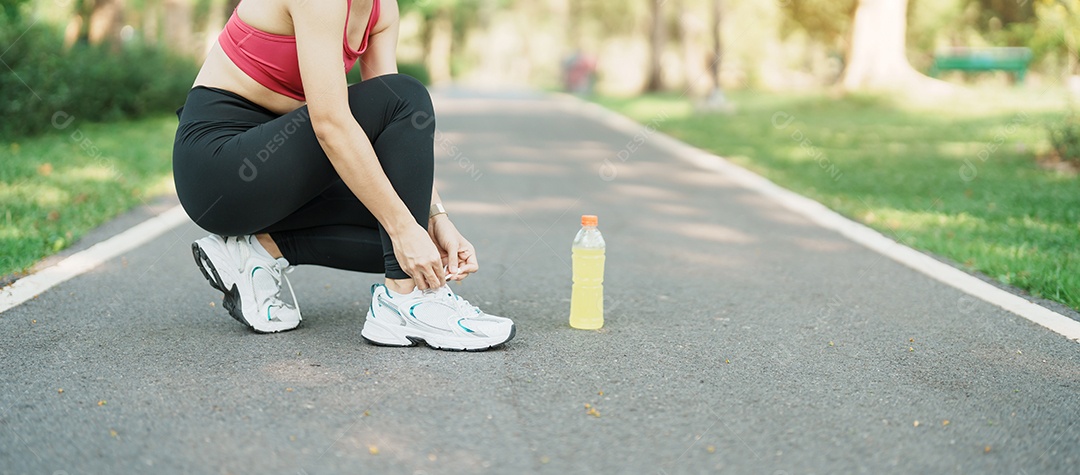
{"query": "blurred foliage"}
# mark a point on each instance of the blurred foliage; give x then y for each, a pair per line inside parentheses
(771, 43)
(826, 21)
(932, 23)
(415, 70)
(95, 83)
(1048, 27)
(1002, 13)
(429, 8)
(200, 13)
(13, 8)
(1065, 137)
(465, 14)
(1005, 22)
(1059, 26)
(614, 18)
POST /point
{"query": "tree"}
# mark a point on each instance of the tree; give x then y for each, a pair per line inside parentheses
(438, 36)
(151, 21)
(13, 9)
(657, 42)
(717, 47)
(877, 57)
(1006, 11)
(826, 21)
(444, 21)
(698, 32)
(1060, 31)
(178, 21)
(106, 19)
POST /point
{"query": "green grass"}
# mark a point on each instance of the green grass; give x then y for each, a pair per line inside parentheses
(56, 187)
(959, 179)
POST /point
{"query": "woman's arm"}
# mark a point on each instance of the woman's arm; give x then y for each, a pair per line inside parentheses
(460, 255)
(381, 55)
(318, 45)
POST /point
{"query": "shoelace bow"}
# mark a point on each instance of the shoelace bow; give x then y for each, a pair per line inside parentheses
(283, 271)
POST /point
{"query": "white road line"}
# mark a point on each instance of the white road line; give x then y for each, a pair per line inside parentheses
(30, 286)
(827, 218)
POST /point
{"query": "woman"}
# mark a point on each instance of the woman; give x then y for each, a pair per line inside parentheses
(286, 164)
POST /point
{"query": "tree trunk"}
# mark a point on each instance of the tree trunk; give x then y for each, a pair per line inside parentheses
(717, 43)
(686, 36)
(106, 21)
(177, 28)
(657, 42)
(73, 32)
(716, 101)
(215, 22)
(1074, 66)
(151, 22)
(877, 58)
(78, 30)
(440, 41)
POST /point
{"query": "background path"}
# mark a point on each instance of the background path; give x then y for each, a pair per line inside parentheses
(739, 337)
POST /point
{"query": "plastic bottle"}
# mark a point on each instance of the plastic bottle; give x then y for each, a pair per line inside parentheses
(587, 296)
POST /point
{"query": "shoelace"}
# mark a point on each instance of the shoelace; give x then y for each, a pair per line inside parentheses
(463, 307)
(283, 271)
(280, 270)
(468, 308)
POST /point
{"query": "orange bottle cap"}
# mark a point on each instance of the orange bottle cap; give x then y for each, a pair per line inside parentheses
(588, 220)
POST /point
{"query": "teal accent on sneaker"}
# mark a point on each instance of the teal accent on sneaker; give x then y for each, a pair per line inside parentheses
(463, 327)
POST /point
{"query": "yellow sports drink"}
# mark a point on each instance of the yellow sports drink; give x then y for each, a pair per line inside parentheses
(587, 296)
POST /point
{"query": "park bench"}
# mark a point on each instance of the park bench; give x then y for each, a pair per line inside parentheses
(1011, 59)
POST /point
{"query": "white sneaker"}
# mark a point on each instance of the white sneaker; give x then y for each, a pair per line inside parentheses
(437, 317)
(250, 280)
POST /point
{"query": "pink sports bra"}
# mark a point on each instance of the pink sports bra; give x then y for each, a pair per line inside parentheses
(271, 59)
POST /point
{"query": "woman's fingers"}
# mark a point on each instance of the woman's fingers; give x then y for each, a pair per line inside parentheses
(466, 264)
(422, 278)
(429, 276)
(469, 260)
(419, 258)
(452, 257)
(467, 269)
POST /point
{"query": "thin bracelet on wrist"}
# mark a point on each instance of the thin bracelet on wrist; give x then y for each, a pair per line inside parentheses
(435, 210)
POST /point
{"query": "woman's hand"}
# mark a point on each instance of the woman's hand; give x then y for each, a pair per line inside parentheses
(458, 253)
(418, 257)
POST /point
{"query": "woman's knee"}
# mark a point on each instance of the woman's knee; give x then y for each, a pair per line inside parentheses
(405, 86)
(406, 93)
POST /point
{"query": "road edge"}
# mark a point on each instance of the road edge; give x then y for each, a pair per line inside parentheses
(30, 286)
(829, 219)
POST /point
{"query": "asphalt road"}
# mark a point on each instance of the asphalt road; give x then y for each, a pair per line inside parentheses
(740, 338)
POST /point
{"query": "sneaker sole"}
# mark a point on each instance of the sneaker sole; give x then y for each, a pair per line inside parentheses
(415, 340)
(230, 297)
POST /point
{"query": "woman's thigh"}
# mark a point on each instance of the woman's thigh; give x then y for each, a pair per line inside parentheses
(238, 177)
(336, 205)
(239, 168)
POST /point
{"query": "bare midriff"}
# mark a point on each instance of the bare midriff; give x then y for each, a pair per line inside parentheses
(218, 71)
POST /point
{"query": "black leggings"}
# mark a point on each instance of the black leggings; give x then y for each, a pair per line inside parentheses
(241, 169)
